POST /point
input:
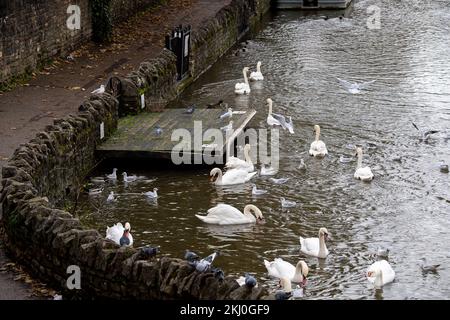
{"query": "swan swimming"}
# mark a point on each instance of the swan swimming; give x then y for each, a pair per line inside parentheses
(257, 75)
(287, 292)
(152, 195)
(362, 173)
(380, 273)
(243, 87)
(236, 163)
(315, 247)
(318, 147)
(119, 234)
(279, 268)
(224, 214)
(233, 176)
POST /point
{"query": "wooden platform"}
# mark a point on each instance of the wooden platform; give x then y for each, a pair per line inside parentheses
(136, 136)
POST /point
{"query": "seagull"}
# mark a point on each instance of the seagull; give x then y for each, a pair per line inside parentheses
(290, 125)
(111, 197)
(158, 130)
(287, 203)
(257, 192)
(113, 175)
(228, 127)
(227, 114)
(355, 87)
(428, 268)
(127, 178)
(152, 195)
(302, 165)
(279, 181)
(425, 134)
(190, 110)
(99, 90)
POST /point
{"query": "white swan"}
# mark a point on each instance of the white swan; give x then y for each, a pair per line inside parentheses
(279, 268)
(243, 88)
(119, 234)
(380, 273)
(224, 214)
(233, 176)
(257, 75)
(362, 173)
(286, 285)
(318, 147)
(271, 121)
(236, 163)
(315, 246)
(268, 171)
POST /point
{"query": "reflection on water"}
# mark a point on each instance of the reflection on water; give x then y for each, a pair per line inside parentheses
(405, 208)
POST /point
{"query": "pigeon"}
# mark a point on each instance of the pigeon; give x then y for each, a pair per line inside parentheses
(218, 274)
(158, 130)
(355, 87)
(205, 264)
(191, 256)
(190, 110)
(149, 251)
(424, 134)
(428, 268)
(99, 90)
(282, 295)
(287, 203)
(257, 192)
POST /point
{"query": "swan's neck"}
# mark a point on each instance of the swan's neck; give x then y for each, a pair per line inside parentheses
(322, 246)
(270, 108)
(245, 77)
(247, 156)
(359, 163)
(258, 67)
(298, 277)
(219, 177)
(155, 192)
(317, 134)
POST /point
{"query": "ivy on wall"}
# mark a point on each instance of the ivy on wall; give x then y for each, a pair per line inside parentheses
(101, 20)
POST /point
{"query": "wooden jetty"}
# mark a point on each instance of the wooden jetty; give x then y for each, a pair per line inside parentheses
(149, 135)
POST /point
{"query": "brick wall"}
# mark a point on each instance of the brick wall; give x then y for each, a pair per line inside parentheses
(31, 31)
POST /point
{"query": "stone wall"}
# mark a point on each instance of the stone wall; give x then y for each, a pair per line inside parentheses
(32, 32)
(49, 169)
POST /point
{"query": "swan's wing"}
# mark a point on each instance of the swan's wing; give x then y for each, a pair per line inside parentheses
(239, 86)
(115, 232)
(388, 272)
(234, 162)
(281, 119)
(309, 244)
(284, 269)
(225, 211)
(241, 280)
(271, 121)
(271, 269)
(234, 176)
(250, 175)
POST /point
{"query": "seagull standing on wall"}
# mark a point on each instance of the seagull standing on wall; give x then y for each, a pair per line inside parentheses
(99, 90)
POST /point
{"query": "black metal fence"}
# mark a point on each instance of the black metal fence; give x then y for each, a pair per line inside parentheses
(179, 42)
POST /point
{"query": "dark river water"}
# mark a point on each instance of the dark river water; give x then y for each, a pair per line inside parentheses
(406, 208)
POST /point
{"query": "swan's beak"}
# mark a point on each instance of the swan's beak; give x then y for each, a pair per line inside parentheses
(370, 274)
(304, 282)
(328, 236)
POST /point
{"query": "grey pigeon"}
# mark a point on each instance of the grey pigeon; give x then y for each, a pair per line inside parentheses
(205, 264)
(191, 256)
(190, 110)
(149, 251)
(250, 281)
(218, 274)
(282, 295)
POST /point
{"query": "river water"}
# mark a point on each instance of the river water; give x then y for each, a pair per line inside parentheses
(406, 208)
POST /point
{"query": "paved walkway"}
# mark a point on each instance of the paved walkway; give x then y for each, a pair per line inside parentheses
(60, 88)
